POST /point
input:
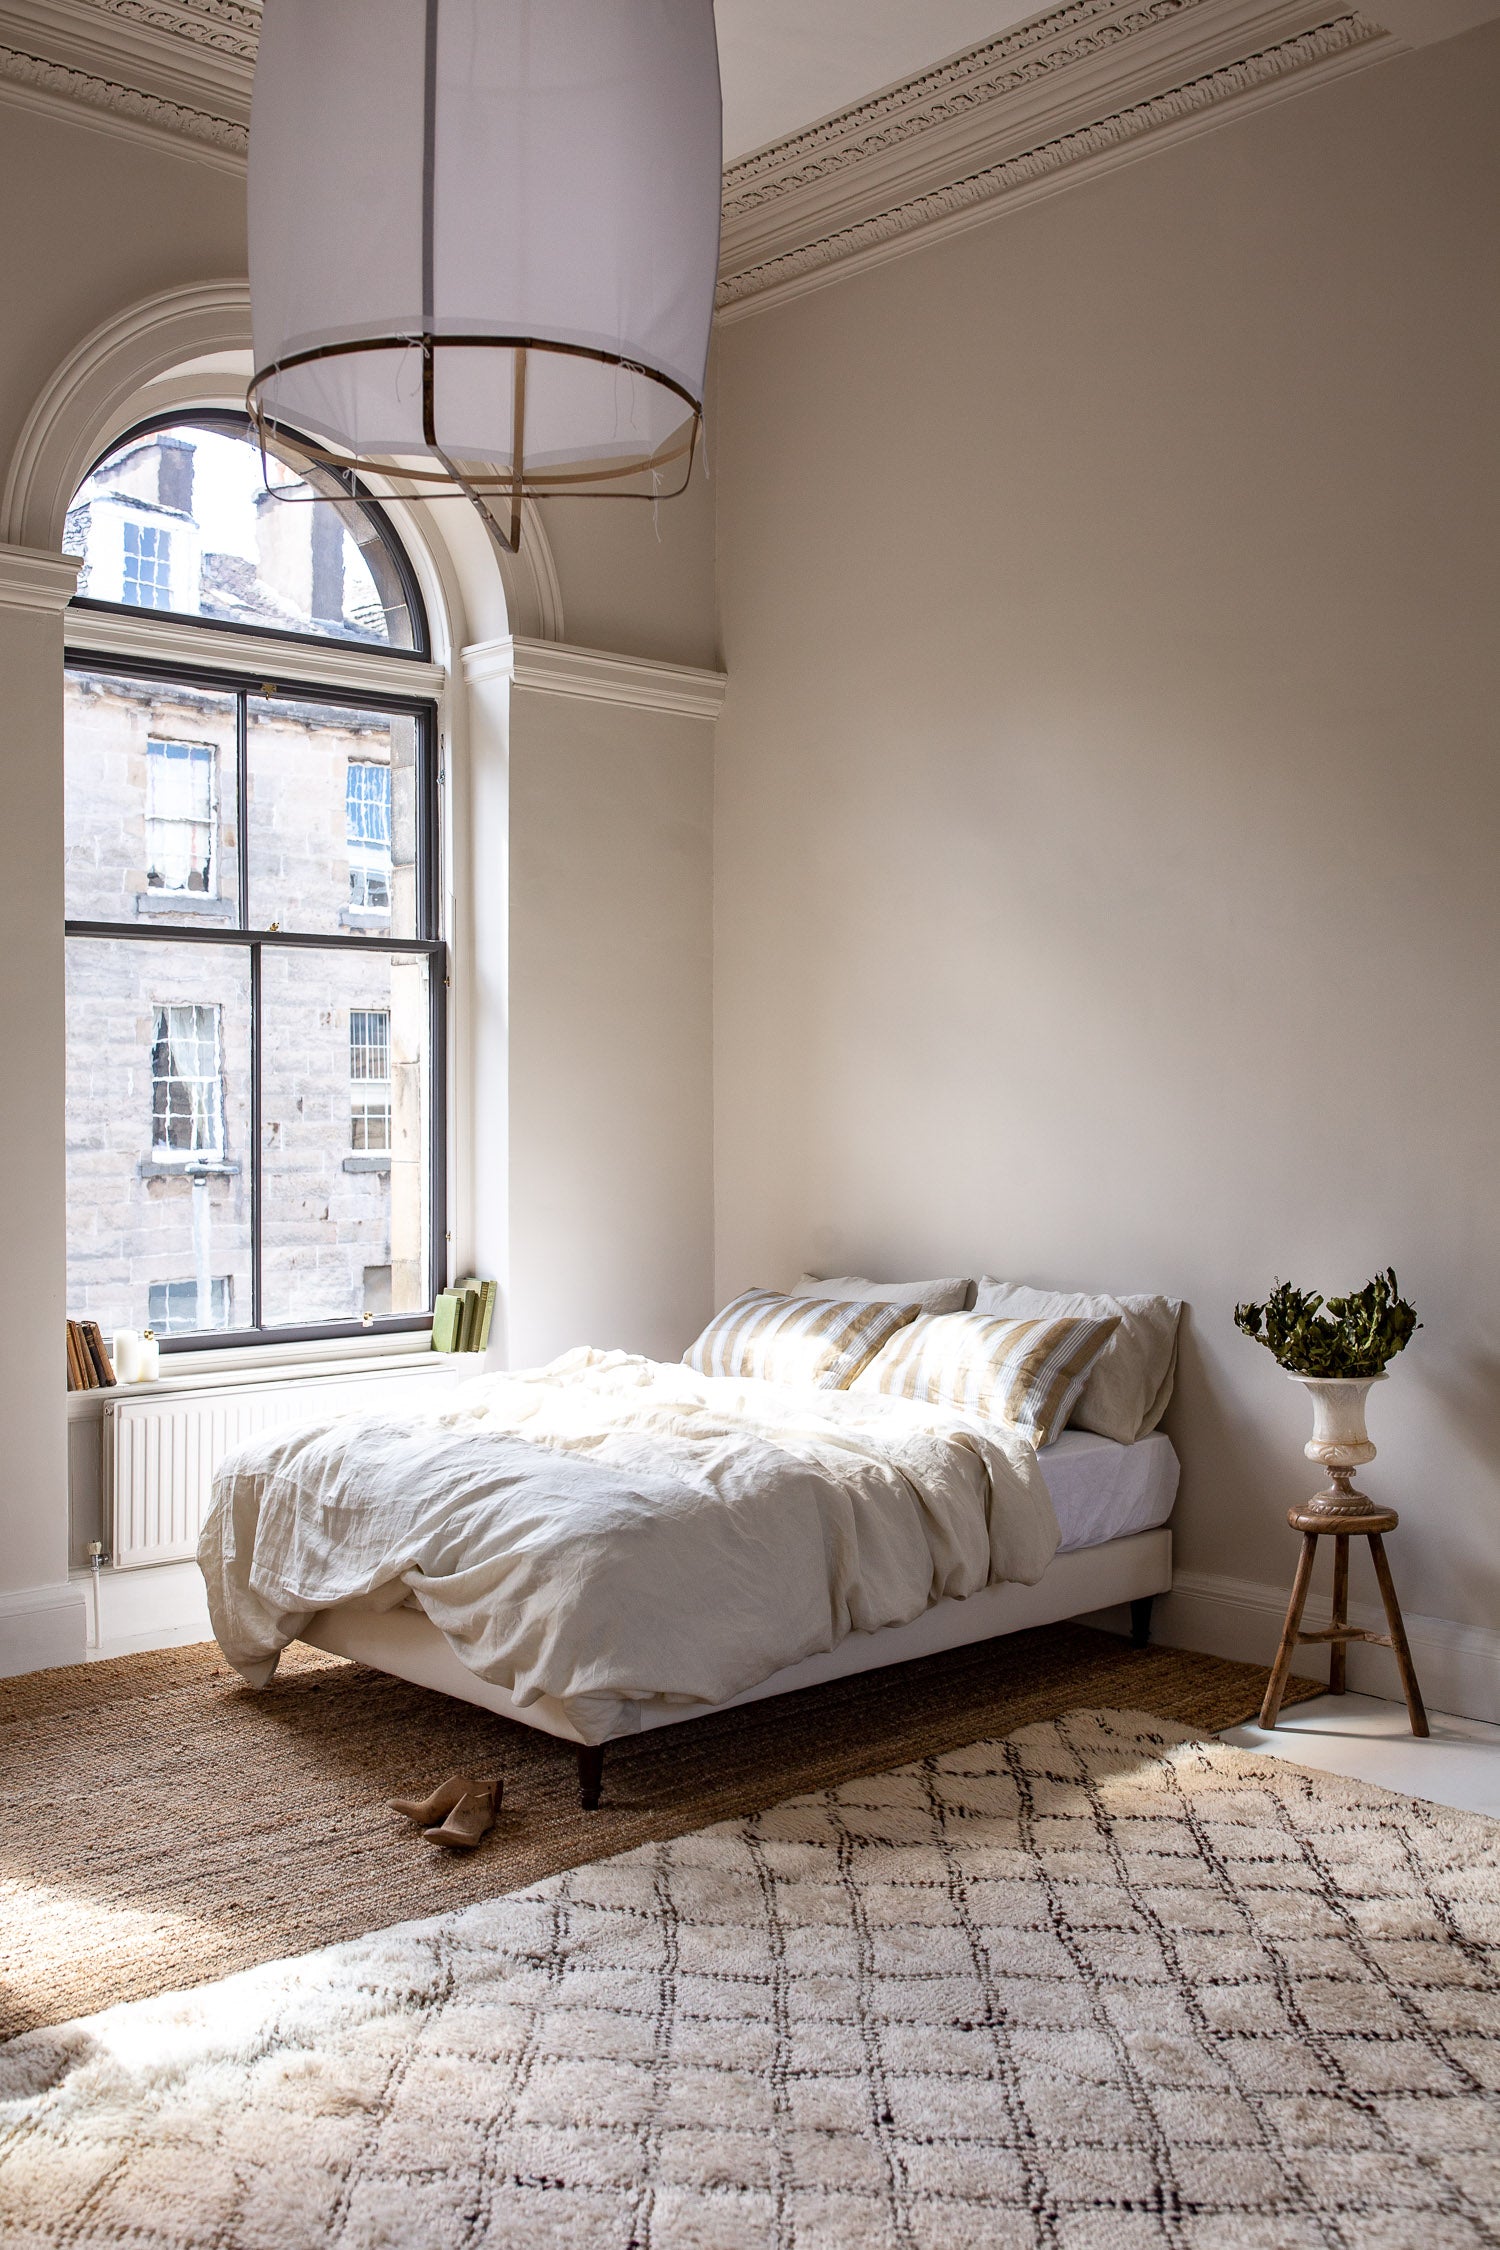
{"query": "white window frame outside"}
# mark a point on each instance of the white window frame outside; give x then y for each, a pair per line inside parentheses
(369, 856)
(160, 752)
(206, 1153)
(370, 1090)
(151, 586)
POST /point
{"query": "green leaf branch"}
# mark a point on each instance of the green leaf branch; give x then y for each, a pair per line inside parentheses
(1337, 1336)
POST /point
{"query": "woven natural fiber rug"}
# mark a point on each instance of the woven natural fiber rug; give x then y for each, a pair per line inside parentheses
(1103, 1984)
(161, 1824)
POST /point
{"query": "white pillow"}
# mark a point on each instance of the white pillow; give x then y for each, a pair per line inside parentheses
(1131, 1381)
(927, 1296)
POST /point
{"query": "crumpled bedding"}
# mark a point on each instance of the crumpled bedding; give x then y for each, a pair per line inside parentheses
(609, 1529)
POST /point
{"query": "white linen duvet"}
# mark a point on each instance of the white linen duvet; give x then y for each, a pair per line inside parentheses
(609, 1529)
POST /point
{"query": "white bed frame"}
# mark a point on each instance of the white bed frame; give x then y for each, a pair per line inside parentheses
(1134, 1570)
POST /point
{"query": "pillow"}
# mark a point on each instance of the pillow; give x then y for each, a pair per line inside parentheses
(1130, 1383)
(814, 1340)
(1024, 1372)
(927, 1296)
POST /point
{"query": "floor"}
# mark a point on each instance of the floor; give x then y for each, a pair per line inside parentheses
(1368, 1739)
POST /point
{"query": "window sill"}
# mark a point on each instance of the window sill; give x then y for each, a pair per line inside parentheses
(374, 921)
(187, 1168)
(252, 1366)
(187, 907)
(368, 1160)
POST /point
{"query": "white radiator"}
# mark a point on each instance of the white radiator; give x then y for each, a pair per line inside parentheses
(160, 1452)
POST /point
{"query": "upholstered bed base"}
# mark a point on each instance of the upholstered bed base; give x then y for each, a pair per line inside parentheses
(405, 1642)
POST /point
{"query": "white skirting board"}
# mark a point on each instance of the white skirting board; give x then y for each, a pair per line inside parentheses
(41, 1627)
(1458, 1666)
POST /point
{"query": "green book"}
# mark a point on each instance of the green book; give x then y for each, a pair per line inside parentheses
(447, 1315)
(472, 1292)
(487, 1314)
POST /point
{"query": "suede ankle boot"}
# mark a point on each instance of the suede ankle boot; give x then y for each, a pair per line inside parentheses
(471, 1819)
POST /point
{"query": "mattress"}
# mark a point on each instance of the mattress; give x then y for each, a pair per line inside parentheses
(1102, 1490)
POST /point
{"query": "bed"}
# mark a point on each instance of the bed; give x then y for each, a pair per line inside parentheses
(610, 1545)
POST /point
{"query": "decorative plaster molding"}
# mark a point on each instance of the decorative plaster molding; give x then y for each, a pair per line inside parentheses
(683, 691)
(122, 371)
(140, 115)
(1029, 54)
(1343, 42)
(92, 396)
(36, 578)
(230, 27)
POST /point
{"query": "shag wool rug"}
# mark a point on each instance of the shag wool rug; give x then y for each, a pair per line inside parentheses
(1102, 1983)
(192, 1827)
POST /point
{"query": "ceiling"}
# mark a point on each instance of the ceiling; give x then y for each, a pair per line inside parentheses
(786, 63)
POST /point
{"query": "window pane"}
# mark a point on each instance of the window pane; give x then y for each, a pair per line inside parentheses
(333, 818)
(181, 519)
(158, 1135)
(344, 1145)
(151, 815)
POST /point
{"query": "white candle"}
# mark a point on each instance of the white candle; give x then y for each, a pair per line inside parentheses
(148, 1366)
(125, 1351)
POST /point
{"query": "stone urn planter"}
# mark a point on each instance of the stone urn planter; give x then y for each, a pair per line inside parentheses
(1340, 1442)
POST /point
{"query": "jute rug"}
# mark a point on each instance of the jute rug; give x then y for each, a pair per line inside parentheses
(160, 1824)
(1105, 1983)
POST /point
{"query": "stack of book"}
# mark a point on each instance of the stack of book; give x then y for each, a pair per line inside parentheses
(462, 1315)
(88, 1361)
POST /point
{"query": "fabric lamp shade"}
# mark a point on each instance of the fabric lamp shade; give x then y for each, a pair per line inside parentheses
(484, 239)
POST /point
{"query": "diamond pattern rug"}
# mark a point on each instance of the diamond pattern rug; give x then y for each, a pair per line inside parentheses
(1104, 1983)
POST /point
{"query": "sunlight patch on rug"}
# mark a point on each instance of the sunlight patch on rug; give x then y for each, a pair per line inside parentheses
(1103, 1983)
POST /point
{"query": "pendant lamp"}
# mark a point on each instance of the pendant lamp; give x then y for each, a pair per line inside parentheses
(484, 237)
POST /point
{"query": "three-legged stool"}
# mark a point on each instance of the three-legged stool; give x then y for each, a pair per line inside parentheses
(1351, 1515)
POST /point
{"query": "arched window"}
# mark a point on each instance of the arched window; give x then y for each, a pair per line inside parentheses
(255, 967)
(186, 517)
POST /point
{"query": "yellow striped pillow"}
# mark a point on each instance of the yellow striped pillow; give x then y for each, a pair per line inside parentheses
(824, 1341)
(1024, 1372)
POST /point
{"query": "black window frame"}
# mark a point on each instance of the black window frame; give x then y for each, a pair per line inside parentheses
(428, 943)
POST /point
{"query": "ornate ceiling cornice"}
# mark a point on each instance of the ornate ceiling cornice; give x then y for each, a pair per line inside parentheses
(1063, 96)
(1073, 91)
(172, 72)
(799, 250)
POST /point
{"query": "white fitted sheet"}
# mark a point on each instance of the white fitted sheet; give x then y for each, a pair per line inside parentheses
(1102, 1490)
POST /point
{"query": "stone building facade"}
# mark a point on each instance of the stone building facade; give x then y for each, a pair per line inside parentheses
(159, 1033)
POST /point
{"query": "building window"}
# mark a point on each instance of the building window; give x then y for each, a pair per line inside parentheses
(187, 1083)
(147, 578)
(179, 1308)
(181, 817)
(256, 976)
(367, 829)
(370, 1079)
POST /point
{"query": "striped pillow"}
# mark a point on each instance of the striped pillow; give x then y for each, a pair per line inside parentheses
(1024, 1372)
(819, 1340)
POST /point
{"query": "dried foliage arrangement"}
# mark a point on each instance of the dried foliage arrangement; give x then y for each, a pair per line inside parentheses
(1339, 1336)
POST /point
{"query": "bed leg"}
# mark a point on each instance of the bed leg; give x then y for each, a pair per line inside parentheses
(1140, 1621)
(590, 1774)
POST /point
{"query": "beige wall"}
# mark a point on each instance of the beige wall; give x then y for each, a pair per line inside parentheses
(1108, 795)
(610, 997)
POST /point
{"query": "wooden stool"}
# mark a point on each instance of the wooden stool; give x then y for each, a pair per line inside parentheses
(1346, 1514)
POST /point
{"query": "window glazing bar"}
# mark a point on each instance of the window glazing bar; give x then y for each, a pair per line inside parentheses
(182, 933)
